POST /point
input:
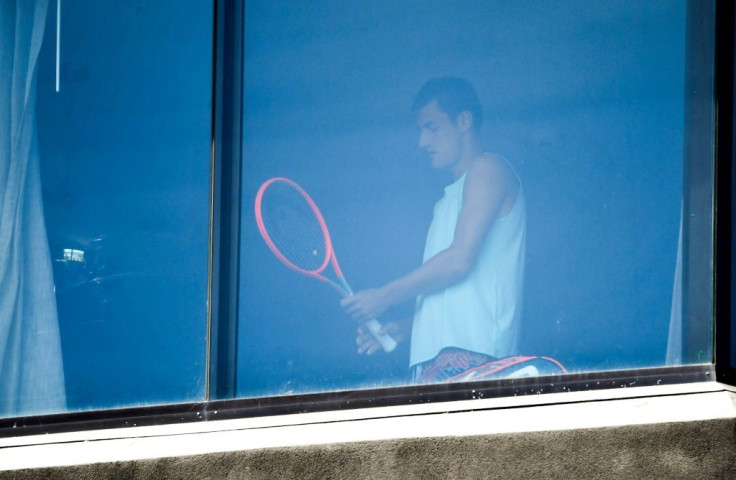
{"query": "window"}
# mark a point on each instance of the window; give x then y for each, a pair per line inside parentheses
(599, 114)
(591, 112)
(123, 136)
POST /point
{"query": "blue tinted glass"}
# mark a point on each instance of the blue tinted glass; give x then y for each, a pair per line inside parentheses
(119, 166)
(586, 102)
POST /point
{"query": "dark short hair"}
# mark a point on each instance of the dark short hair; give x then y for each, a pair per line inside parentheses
(454, 95)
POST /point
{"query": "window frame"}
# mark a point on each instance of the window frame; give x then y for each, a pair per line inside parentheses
(226, 160)
(724, 193)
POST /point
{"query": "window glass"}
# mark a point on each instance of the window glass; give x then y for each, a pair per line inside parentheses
(586, 137)
(105, 305)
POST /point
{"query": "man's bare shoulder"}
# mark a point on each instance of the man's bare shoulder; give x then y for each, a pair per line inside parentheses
(493, 168)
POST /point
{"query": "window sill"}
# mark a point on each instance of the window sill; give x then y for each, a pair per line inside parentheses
(689, 402)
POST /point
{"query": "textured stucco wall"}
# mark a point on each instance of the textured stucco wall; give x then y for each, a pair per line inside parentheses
(689, 450)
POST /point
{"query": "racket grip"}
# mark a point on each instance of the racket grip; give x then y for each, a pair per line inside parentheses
(388, 343)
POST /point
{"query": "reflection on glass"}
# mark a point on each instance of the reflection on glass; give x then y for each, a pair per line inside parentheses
(117, 161)
(565, 144)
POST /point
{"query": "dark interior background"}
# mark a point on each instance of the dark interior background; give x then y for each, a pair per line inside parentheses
(585, 99)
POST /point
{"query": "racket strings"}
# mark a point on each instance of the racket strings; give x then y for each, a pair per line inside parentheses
(293, 227)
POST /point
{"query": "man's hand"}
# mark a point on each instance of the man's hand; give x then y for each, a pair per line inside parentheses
(367, 343)
(366, 304)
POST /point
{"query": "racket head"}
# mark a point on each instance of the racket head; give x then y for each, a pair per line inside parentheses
(293, 227)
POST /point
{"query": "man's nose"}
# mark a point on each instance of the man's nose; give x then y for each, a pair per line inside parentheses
(422, 140)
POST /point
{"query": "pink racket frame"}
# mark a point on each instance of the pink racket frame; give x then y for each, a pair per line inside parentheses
(329, 251)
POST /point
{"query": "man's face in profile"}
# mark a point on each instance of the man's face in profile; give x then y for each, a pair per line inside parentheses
(439, 135)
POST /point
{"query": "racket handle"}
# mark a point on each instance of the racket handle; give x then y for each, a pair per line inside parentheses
(388, 343)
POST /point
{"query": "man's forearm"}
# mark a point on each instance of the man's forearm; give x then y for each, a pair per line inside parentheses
(441, 271)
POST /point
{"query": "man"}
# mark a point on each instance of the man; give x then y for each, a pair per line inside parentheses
(469, 286)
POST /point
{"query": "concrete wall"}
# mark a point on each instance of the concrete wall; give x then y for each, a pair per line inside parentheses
(692, 450)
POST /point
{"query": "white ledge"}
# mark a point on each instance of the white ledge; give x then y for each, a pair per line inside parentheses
(558, 411)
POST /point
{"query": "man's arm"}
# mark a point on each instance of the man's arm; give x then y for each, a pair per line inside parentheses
(489, 193)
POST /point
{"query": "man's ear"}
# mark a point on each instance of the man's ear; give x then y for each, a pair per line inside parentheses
(465, 121)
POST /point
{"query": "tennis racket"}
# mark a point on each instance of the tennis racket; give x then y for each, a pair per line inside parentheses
(295, 231)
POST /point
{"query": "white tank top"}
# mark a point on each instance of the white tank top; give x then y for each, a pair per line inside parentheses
(482, 312)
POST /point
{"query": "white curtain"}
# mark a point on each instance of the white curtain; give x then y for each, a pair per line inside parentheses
(31, 373)
(674, 341)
